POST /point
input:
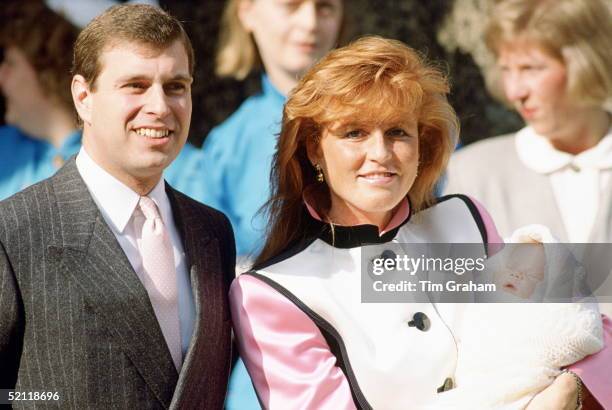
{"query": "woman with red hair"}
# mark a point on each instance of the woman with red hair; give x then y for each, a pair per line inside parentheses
(365, 135)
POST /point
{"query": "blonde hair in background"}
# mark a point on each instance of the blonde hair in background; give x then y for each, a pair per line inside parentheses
(371, 80)
(577, 32)
(463, 29)
(237, 54)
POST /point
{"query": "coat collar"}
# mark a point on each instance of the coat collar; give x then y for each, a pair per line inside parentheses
(340, 236)
(210, 296)
(91, 257)
(539, 155)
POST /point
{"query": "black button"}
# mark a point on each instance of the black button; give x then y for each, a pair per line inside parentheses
(384, 256)
(448, 385)
(420, 321)
(388, 254)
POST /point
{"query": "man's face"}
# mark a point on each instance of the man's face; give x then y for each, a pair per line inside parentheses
(138, 111)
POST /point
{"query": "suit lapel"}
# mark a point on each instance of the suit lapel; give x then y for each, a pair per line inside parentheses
(91, 256)
(204, 259)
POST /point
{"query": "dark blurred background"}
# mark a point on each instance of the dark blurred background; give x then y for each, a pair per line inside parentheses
(419, 23)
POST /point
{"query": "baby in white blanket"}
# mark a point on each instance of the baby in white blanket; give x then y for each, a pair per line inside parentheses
(509, 352)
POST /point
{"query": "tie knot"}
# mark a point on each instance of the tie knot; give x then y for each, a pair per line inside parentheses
(148, 208)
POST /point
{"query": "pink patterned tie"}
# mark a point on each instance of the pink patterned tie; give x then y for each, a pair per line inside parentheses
(160, 280)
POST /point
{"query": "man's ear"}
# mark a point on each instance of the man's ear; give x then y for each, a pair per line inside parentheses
(245, 14)
(81, 96)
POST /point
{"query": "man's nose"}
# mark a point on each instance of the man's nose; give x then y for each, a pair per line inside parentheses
(156, 102)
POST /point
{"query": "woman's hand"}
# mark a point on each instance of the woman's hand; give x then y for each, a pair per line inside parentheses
(562, 394)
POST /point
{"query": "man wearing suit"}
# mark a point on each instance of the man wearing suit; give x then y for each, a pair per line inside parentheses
(113, 286)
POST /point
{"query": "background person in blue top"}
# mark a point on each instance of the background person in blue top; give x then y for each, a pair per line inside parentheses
(283, 39)
(35, 81)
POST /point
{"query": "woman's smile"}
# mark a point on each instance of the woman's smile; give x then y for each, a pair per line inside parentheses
(378, 178)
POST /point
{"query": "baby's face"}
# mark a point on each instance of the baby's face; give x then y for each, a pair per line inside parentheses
(524, 270)
(517, 283)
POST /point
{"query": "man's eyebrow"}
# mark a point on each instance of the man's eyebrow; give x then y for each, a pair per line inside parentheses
(137, 77)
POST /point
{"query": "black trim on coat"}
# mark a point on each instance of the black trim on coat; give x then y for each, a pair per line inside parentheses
(347, 237)
(475, 214)
(338, 236)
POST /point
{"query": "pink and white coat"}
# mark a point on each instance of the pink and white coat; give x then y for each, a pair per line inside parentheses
(308, 341)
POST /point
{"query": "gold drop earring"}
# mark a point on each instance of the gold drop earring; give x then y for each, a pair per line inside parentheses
(320, 177)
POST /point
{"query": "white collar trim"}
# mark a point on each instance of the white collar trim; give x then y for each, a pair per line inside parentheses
(538, 154)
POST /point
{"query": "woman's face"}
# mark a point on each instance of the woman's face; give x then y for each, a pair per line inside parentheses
(291, 35)
(369, 169)
(536, 84)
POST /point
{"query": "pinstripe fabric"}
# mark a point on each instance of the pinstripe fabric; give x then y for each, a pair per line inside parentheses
(75, 318)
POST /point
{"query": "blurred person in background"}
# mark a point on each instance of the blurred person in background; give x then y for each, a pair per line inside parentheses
(35, 82)
(556, 71)
(282, 40)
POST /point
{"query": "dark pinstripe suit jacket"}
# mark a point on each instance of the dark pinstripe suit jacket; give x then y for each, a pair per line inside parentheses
(75, 319)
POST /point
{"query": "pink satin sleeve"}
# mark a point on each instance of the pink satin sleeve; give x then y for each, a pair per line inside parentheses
(287, 357)
(595, 371)
(494, 239)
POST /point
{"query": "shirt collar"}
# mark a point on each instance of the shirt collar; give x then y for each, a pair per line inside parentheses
(538, 154)
(116, 200)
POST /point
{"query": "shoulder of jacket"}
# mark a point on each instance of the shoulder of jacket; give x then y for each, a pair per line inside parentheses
(19, 211)
(501, 143)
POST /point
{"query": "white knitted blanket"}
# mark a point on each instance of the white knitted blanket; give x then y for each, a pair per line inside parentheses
(509, 352)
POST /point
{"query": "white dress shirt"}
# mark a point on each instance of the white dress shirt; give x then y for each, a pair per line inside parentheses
(578, 181)
(118, 206)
